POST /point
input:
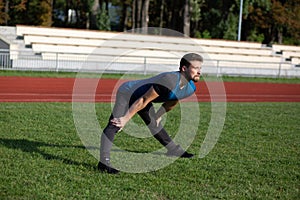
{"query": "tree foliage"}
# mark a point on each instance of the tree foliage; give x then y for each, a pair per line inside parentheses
(267, 21)
(103, 22)
(29, 12)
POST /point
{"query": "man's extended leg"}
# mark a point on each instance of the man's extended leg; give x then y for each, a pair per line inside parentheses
(107, 139)
(109, 133)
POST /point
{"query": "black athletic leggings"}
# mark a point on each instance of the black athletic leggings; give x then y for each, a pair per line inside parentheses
(122, 104)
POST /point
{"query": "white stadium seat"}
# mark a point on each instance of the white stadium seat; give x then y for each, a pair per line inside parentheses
(83, 45)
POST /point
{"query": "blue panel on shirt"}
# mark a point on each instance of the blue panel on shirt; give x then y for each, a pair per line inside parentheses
(138, 87)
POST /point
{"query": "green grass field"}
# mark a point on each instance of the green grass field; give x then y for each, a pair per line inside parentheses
(256, 157)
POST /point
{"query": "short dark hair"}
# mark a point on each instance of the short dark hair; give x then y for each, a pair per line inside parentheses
(187, 58)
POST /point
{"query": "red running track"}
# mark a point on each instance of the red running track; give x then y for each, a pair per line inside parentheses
(28, 89)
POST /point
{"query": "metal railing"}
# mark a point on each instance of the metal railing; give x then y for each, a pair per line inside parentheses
(19, 60)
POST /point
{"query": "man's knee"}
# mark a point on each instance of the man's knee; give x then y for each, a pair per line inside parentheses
(154, 127)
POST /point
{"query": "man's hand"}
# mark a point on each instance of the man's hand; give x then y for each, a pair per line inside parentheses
(166, 107)
(139, 104)
(158, 120)
(119, 122)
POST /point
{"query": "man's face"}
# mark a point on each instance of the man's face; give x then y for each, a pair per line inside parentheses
(193, 72)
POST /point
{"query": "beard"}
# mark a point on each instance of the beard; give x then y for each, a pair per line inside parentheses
(196, 78)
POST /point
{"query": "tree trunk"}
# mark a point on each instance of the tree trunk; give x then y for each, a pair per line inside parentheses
(145, 15)
(106, 5)
(169, 17)
(6, 12)
(133, 15)
(161, 17)
(67, 13)
(125, 19)
(279, 35)
(93, 16)
(138, 13)
(186, 18)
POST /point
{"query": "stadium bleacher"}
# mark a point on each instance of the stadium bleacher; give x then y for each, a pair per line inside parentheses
(75, 44)
(291, 53)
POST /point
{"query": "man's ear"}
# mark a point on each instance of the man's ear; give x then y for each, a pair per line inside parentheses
(184, 68)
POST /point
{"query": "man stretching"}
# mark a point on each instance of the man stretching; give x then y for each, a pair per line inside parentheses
(137, 97)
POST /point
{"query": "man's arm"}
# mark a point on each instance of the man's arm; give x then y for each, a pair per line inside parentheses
(166, 107)
(138, 105)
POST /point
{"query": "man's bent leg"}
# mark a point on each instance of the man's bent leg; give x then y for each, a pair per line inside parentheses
(148, 116)
(159, 133)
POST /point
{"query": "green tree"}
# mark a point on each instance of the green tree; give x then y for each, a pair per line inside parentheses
(29, 12)
(257, 19)
(39, 12)
(80, 10)
(196, 6)
(103, 22)
(277, 20)
(4, 16)
(267, 21)
(286, 21)
(140, 13)
(231, 24)
(17, 12)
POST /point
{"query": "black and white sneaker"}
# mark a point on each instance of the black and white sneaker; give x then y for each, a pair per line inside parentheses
(107, 168)
(179, 152)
